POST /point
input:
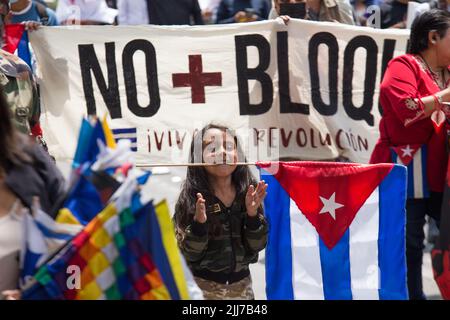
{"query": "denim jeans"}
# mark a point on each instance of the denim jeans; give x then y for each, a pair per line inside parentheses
(416, 209)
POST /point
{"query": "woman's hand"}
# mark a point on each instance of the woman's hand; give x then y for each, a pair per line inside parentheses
(32, 25)
(446, 102)
(200, 209)
(285, 19)
(446, 109)
(239, 16)
(254, 198)
(11, 294)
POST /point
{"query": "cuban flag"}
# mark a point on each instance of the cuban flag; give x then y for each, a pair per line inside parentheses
(16, 42)
(414, 157)
(337, 231)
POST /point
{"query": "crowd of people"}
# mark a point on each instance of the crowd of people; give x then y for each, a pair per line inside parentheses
(389, 13)
(26, 171)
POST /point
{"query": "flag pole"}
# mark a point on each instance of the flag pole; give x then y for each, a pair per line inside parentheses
(150, 165)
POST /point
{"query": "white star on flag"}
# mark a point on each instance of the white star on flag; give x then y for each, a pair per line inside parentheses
(407, 151)
(330, 205)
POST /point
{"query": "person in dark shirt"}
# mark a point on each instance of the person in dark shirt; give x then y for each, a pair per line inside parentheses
(27, 10)
(174, 12)
(394, 12)
(231, 11)
(112, 3)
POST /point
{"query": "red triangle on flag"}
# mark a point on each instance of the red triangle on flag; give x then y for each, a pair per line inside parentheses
(406, 153)
(329, 194)
(12, 36)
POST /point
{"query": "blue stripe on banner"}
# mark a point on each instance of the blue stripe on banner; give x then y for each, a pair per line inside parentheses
(124, 130)
(426, 191)
(391, 238)
(278, 251)
(51, 234)
(336, 269)
(131, 139)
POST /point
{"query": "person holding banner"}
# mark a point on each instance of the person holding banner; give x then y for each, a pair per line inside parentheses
(135, 13)
(316, 10)
(19, 85)
(220, 226)
(85, 12)
(27, 10)
(414, 96)
(174, 12)
(232, 11)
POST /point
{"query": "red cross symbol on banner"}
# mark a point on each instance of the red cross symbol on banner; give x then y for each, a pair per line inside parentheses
(196, 79)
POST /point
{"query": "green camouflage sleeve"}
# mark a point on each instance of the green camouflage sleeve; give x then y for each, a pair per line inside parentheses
(20, 91)
(35, 105)
(195, 241)
(255, 232)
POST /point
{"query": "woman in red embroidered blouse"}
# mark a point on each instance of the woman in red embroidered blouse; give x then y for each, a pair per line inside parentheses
(414, 90)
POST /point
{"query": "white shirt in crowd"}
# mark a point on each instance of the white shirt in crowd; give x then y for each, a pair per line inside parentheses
(133, 12)
(11, 234)
(211, 5)
(95, 10)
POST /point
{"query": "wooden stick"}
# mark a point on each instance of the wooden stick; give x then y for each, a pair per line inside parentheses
(148, 165)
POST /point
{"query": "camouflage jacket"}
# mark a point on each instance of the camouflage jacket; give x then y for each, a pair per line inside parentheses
(20, 91)
(227, 243)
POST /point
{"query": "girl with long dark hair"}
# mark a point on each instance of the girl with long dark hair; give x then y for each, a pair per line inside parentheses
(220, 224)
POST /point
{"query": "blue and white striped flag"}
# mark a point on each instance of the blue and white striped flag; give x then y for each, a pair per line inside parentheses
(42, 237)
(126, 133)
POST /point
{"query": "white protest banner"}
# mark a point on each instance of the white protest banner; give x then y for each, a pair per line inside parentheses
(308, 90)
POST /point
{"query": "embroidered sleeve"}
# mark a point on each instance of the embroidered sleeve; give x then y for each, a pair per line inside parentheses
(400, 87)
(417, 106)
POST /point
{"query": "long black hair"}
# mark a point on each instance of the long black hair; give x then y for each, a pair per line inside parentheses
(12, 143)
(434, 20)
(197, 178)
